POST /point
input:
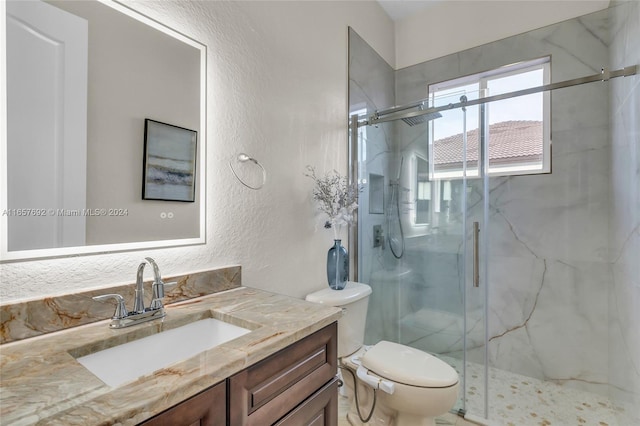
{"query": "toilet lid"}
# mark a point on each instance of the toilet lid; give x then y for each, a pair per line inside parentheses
(409, 366)
(351, 293)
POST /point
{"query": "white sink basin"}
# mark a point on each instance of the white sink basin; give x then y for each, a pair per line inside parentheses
(124, 363)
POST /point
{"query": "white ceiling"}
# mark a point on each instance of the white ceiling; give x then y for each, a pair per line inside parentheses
(399, 9)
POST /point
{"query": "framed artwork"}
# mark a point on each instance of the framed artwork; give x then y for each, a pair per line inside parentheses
(169, 169)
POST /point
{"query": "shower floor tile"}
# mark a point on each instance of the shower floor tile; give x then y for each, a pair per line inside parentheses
(517, 400)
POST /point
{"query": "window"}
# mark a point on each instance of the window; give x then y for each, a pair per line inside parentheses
(514, 134)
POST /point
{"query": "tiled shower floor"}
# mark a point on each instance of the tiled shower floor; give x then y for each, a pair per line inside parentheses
(517, 400)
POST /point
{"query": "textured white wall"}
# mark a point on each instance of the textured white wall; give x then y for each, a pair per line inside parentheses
(451, 26)
(277, 90)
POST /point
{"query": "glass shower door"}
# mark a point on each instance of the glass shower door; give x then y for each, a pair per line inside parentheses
(455, 142)
(445, 313)
(422, 194)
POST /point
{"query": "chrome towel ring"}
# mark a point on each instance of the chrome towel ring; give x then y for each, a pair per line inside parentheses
(243, 158)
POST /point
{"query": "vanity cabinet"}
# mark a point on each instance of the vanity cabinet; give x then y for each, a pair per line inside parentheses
(321, 409)
(265, 392)
(208, 408)
(293, 387)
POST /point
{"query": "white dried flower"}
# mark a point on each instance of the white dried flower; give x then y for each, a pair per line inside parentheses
(335, 198)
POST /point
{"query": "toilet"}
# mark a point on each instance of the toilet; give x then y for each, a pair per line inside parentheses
(412, 387)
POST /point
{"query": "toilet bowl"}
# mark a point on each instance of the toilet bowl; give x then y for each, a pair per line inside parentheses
(410, 387)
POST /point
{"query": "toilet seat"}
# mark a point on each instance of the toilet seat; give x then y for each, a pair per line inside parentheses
(409, 366)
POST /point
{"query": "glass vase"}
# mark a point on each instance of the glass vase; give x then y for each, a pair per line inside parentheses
(337, 266)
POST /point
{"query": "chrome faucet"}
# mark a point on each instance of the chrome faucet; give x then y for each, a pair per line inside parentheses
(121, 318)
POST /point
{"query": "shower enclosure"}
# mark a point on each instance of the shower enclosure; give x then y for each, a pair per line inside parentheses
(501, 232)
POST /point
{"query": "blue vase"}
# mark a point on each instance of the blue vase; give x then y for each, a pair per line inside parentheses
(337, 266)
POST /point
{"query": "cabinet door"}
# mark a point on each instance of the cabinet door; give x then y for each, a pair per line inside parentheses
(208, 408)
(263, 393)
(321, 409)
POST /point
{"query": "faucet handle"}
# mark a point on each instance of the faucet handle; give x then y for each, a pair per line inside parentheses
(158, 293)
(121, 309)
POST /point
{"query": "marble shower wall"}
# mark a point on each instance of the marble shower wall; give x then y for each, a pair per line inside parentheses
(624, 212)
(548, 234)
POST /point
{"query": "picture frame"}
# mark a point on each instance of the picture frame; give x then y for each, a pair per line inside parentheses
(169, 165)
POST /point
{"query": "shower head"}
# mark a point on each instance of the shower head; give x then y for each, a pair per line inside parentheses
(419, 119)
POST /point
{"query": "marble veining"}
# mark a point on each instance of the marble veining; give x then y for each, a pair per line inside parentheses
(42, 383)
(24, 319)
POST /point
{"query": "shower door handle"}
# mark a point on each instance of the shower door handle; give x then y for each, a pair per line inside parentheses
(476, 254)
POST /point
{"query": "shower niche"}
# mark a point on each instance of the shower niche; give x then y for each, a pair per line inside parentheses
(376, 194)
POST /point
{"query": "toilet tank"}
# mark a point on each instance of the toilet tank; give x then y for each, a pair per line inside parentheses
(354, 301)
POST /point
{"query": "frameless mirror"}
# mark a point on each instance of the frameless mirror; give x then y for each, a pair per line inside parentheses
(80, 79)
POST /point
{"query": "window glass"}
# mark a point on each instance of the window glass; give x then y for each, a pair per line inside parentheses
(515, 131)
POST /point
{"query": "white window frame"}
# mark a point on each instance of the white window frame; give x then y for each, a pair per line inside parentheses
(483, 79)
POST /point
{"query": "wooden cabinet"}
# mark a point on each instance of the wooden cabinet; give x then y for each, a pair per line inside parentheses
(208, 408)
(293, 387)
(263, 393)
(321, 409)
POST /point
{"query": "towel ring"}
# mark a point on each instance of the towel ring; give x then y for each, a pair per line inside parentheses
(243, 158)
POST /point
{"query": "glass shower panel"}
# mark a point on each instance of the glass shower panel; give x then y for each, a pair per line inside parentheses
(377, 171)
(461, 224)
(437, 263)
(421, 195)
(549, 278)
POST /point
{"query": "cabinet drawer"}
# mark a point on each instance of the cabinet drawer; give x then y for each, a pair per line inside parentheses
(266, 391)
(319, 410)
(208, 408)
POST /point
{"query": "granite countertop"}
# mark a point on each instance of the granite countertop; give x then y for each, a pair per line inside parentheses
(42, 383)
